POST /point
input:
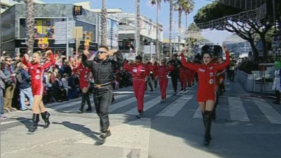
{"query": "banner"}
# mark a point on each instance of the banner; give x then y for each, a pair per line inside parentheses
(44, 28)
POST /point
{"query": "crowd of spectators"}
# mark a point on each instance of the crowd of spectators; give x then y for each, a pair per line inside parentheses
(61, 84)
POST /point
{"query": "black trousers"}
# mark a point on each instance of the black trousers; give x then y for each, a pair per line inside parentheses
(102, 99)
(277, 95)
(175, 79)
(231, 75)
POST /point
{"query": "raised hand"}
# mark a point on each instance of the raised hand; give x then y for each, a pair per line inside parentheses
(224, 47)
(112, 52)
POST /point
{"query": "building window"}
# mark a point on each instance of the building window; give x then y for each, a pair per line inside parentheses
(126, 44)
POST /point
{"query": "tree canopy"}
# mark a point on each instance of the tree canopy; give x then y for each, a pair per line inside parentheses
(247, 24)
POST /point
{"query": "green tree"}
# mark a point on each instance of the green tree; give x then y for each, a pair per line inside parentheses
(246, 28)
(181, 6)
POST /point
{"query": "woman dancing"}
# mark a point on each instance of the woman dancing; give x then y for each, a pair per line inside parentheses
(36, 71)
(206, 94)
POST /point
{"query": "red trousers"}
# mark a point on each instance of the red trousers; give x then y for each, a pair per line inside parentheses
(190, 77)
(139, 90)
(163, 83)
(183, 80)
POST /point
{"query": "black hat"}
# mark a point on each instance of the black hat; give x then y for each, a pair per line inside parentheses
(139, 58)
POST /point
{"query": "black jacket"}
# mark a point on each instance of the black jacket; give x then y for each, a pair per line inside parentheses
(103, 71)
(177, 64)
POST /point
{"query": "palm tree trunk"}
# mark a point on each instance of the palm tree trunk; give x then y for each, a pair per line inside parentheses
(30, 24)
(179, 31)
(171, 28)
(186, 29)
(138, 28)
(157, 32)
(103, 24)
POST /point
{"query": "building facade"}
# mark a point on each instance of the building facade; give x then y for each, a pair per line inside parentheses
(126, 35)
(47, 16)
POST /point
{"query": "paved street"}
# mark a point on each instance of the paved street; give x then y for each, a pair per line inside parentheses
(246, 127)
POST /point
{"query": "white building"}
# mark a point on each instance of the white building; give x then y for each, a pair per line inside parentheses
(126, 35)
(5, 4)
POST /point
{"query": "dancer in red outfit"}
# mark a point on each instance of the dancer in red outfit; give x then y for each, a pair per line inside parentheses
(140, 74)
(155, 68)
(190, 76)
(221, 75)
(36, 71)
(206, 90)
(183, 77)
(162, 73)
(84, 85)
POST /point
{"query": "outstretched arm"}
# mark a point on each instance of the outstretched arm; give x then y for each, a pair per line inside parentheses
(25, 62)
(127, 67)
(188, 65)
(85, 61)
(119, 62)
(223, 65)
(51, 62)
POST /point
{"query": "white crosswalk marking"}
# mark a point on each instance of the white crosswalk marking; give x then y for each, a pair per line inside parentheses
(271, 114)
(77, 103)
(122, 104)
(176, 106)
(237, 110)
(147, 105)
(59, 107)
(198, 113)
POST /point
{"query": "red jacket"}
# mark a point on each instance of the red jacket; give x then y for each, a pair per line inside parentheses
(207, 73)
(183, 70)
(163, 70)
(138, 71)
(36, 70)
(83, 73)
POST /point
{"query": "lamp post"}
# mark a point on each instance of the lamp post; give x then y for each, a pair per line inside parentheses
(0, 30)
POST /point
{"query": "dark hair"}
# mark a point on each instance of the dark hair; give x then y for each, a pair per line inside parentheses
(203, 53)
(103, 46)
(139, 58)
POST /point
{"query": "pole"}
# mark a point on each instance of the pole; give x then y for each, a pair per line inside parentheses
(275, 30)
(67, 57)
(137, 34)
(151, 44)
(157, 31)
(0, 31)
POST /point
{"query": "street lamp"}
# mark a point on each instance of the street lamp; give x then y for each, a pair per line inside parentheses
(0, 29)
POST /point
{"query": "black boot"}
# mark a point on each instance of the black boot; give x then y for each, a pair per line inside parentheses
(35, 120)
(88, 102)
(81, 110)
(45, 116)
(208, 122)
(204, 120)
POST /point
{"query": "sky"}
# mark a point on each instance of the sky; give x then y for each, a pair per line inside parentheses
(149, 11)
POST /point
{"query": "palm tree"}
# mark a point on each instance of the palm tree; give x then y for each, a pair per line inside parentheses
(30, 24)
(137, 48)
(158, 4)
(103, 24)
(182, 6)
(171, 28)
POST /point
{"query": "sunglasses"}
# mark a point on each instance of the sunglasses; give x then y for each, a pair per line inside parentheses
(101, 52)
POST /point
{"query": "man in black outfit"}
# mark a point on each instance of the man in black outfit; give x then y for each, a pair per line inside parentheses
(103, 70)
(175, 73)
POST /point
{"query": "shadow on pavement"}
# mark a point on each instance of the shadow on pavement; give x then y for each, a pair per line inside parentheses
(81, 128)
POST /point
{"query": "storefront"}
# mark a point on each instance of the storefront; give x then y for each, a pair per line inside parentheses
(21, 45)
(49, 27)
